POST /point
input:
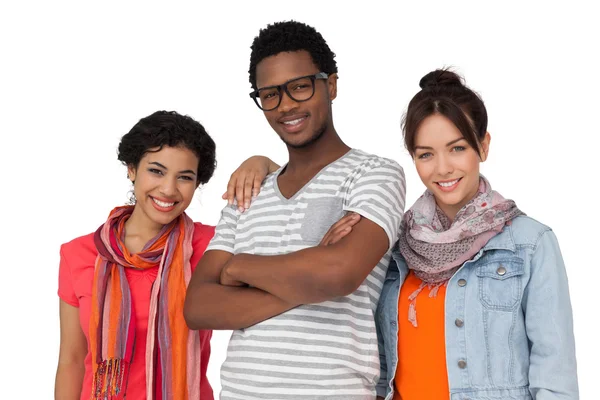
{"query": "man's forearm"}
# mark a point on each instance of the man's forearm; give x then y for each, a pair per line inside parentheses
(315, 274)
(305, 276)
(215, 306)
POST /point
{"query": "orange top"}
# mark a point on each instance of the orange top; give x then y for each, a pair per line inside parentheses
(76, 275)
(421, 372)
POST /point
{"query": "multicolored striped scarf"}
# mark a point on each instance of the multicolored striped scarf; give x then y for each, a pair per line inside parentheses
(112, 321)
(435, 247)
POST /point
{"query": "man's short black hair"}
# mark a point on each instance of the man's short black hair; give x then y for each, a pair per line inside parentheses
(291, 36)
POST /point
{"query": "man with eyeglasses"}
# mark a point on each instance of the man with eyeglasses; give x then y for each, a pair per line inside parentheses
(302, 314)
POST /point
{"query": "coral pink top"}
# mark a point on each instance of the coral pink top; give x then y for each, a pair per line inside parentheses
(76, 274)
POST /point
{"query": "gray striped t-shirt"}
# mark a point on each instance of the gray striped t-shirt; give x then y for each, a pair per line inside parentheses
(315, 351)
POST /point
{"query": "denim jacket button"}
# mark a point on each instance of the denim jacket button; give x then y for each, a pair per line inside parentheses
(459, 322)
(501, 270)
(462, 282)
(462, 364)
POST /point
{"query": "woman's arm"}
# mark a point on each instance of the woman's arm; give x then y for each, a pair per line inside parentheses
(245, 182)
(549, 325)
(73, 349)
(206, 391)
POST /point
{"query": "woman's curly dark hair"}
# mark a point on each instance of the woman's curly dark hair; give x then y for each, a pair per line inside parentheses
(291, 36)
(168, 128)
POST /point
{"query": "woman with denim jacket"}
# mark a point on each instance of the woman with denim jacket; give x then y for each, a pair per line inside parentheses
(476, 303)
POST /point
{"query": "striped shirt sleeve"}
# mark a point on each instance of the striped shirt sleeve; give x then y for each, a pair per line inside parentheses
(378, 194)
(224, 238)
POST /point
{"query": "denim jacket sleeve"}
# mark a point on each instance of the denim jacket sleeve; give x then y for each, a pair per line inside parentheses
(382, 385)
(549, 324)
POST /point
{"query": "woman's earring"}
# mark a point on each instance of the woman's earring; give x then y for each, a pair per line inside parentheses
(131, 200)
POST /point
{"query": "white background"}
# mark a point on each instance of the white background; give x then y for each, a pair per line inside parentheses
(75, 77)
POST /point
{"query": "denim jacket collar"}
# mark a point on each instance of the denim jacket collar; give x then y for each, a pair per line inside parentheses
(502, 241)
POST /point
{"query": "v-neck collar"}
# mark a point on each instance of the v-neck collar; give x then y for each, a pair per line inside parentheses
(299, 191)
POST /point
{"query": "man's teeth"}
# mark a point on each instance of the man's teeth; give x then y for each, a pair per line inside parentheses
(294, 122)
(447, 184)
(162, 203)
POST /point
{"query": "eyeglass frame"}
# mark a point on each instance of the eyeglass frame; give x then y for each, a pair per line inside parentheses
(283, 87)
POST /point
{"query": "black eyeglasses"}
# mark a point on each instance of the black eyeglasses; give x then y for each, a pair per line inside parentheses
(298, 89)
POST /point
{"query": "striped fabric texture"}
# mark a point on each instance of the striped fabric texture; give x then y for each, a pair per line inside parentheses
(315, 351)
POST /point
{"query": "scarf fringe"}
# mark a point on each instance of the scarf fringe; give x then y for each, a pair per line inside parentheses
(109, 379)
(412, 313)
(412, 307)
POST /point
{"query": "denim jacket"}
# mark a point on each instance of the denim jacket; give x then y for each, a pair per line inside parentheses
(508, 320)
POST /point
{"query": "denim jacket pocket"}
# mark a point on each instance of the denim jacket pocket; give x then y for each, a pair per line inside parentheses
(501, 283)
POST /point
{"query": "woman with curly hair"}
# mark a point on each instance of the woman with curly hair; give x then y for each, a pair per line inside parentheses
(122, 288)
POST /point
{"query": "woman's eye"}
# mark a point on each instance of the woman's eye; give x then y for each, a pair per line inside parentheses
(424, 156)
(186, 178)
(155, 171)
(459, 148)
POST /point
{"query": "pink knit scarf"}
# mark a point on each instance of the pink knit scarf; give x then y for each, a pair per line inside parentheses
(434, 248)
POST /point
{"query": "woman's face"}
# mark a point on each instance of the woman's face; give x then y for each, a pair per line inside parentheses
(447, 164)
(165, 182)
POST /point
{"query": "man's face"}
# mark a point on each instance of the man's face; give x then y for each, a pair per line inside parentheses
(298, 124)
